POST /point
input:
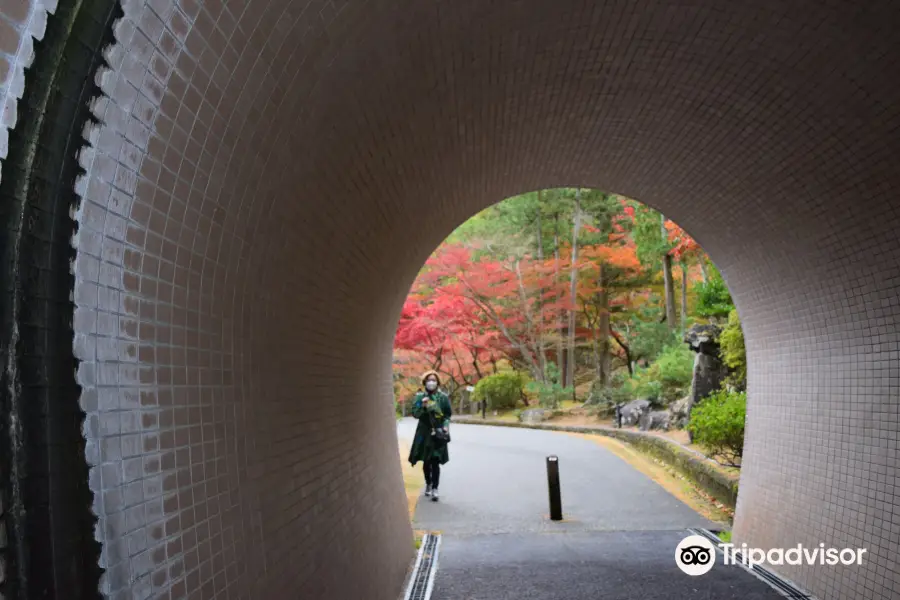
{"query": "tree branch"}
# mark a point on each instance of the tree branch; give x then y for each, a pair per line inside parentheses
(624, 347)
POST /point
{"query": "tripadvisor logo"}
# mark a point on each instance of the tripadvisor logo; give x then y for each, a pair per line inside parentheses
(696, 555)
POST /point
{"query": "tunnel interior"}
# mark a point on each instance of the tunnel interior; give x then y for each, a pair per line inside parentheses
(260, 180)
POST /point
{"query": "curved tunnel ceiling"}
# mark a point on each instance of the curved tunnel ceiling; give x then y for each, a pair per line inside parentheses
(267, 177)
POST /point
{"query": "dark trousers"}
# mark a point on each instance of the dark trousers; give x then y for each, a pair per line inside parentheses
(432, 470)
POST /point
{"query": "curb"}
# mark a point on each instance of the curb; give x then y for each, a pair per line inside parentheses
(695, 467)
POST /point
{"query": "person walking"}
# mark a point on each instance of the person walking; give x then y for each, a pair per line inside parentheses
(432, 408)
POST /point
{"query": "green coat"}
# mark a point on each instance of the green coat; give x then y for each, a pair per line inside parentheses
(438, 413)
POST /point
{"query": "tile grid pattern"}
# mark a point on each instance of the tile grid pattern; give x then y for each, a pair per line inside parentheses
(269, 175)
(21, 23)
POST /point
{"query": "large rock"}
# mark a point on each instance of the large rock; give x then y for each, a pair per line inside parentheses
(709, 371)
(535, 415)
(657, 419)
(709, 374)
(633, 411)
(680, 412)
(703, 338)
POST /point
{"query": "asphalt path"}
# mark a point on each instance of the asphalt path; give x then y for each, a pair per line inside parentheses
(617, 540)
(496, 482)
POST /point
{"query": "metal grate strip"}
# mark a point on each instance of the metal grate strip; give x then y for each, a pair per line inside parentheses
(422, 580)
(776, 582)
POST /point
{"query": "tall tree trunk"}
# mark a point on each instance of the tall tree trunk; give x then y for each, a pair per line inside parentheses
(704, 269)
(628, 360)
(684, 286)
(477, 367)
(603, 328)
(573, 286)
(559, 340)
(671, 317)
(533, 331)
(542, 356)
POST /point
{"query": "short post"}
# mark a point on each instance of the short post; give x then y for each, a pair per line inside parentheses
(553, 484)
(483, 408)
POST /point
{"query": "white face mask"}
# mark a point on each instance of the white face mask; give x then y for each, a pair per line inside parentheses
(431, 385)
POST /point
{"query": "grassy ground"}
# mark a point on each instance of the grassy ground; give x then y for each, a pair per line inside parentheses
(413, 482)
(669, 479)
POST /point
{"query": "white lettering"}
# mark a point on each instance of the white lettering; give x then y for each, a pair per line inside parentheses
(757, 557)
(797, 553)
(729, 556)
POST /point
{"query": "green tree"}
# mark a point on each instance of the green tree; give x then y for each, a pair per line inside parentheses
(713, 298)
(667, 379)
(654, 251)
(644, 333)
(734, 354)
(550, 393)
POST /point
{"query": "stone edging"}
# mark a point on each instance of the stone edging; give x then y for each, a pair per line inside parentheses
(697, 468)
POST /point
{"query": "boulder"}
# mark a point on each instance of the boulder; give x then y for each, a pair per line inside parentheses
(680, 412)
(633, 411)
(709, 374)
(703, 338)
(535, 415)
(657, 420)
(709, 370)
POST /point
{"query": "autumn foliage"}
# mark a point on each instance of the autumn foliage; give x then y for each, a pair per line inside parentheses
(469, 310)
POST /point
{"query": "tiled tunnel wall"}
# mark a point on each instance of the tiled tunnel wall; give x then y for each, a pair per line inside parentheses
(267, 176)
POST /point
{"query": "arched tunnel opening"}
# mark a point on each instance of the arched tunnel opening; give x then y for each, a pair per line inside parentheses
(257, 185)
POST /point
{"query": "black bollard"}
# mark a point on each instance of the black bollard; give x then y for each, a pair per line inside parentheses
(553, 484)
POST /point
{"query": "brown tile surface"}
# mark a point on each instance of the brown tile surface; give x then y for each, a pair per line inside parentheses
(270, 174)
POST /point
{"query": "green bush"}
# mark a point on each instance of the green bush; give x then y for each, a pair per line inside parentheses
(668, 378)
(674, 372)
(717, 424)
(713, 297)
(501, 390)
(617, 390)
(550, 393)
(647, 387)
(649, 335)
(734, 354)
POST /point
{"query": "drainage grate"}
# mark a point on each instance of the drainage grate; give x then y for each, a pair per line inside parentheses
(776, 582)
(422, 579)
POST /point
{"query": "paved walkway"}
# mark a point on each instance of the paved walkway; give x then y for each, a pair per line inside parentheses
(608, 565)
(496, 482)
(617, 541)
